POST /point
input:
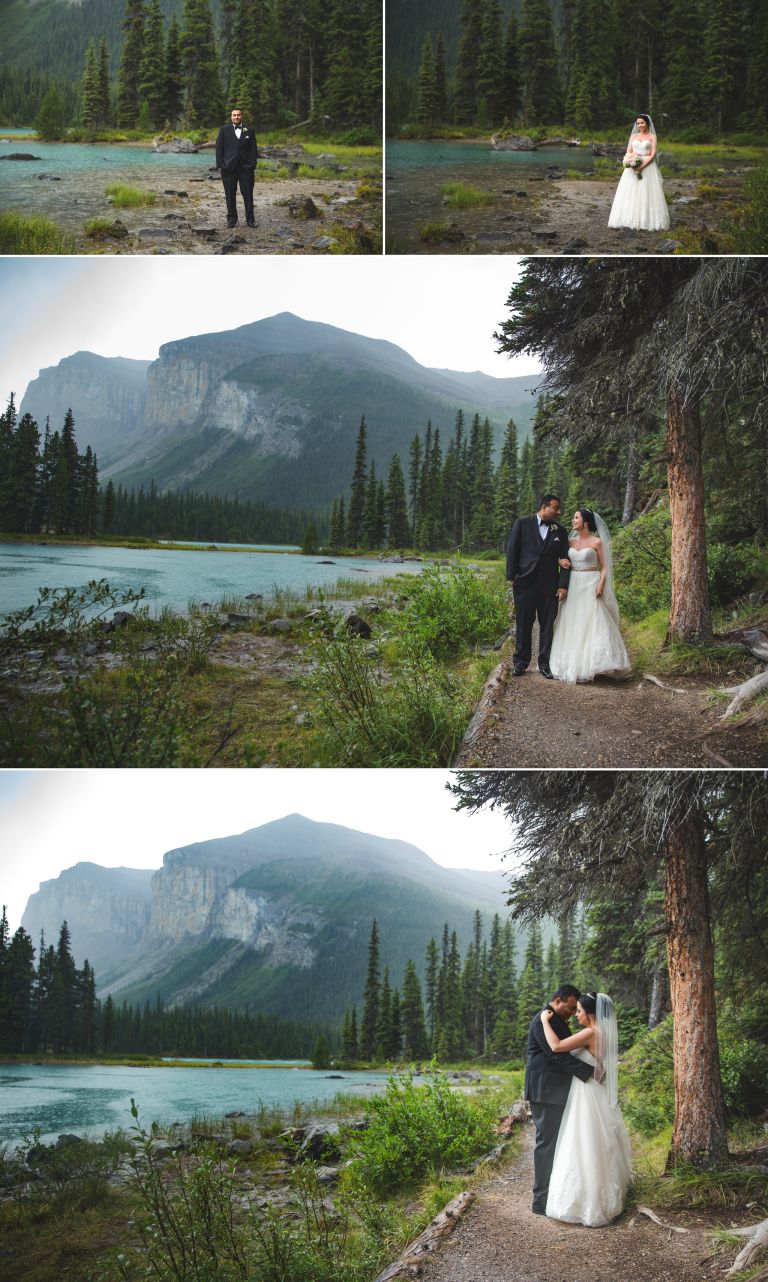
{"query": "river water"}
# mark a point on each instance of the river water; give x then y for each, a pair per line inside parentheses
(90, 1099)
(67, 182)
(173, 578)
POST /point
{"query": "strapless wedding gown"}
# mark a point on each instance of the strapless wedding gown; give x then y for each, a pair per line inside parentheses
(639, 202)
(587, 639)
(592, 1170)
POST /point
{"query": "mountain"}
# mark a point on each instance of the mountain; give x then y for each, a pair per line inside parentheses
(274, 919)
(110, 394)
(269, 411)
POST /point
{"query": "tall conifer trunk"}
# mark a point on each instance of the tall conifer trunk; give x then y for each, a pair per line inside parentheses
(699, 1136)
(689, 618)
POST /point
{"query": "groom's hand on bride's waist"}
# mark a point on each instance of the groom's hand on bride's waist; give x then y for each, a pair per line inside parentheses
(562, 594)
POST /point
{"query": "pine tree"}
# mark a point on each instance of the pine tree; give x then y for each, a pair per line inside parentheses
(531, 994)
(723, 53)
(467, 62)
(397, 506)
(91, 98)
(370, 510)
(415, 1044)
(105, 93)
(441, 79)
(491, 80)
(371, 998)
(129, 73)
(426, 87)
(430, 988)
(173, 102)
(152, 79)
(681, 91)
(384, 1022)
(542, 102)
(513, 89)
(23, 476)
(200, 63)
(50, 122)
(414, 486)
(356, 511)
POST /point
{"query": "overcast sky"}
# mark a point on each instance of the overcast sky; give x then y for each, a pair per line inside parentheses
(443, 312)
(50, 820)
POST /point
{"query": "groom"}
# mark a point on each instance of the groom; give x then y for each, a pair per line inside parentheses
(536, 545)
(236, 157)
(548, 1076)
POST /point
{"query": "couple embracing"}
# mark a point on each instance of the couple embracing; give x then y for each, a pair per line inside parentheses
(568, 586)
(582, 1158)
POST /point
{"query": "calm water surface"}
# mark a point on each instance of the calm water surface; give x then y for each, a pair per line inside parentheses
(172, 578)
(92, 1099)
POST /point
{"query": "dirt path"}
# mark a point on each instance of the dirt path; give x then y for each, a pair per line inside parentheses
(535, 723)
(500, 1240)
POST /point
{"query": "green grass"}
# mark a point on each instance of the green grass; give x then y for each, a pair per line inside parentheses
(100, 229)
(32, 234)
(435, 231)
(461, 195)
(124, 197)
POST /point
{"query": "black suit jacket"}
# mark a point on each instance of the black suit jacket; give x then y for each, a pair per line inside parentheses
(233, 152)
(533, 561)
(548, 1073)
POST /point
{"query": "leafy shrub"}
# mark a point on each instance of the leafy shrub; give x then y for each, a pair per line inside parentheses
(414, 717)
(744, 1070)
(643, 564)
(362, 136)
(416, 1130)
(648, 1096)
(452, 610)
(750, 233)
(732, 570)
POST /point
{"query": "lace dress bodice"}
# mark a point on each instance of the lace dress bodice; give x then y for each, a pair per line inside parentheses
(583, 559)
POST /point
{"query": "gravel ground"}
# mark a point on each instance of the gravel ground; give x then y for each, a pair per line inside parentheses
(541, 724)
(500, 1240)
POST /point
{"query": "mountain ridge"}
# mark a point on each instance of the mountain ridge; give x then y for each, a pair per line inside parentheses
(268, 411)
(276, 918)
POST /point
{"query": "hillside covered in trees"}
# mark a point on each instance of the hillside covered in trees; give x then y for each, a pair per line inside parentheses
(699, 66)
(185, 63)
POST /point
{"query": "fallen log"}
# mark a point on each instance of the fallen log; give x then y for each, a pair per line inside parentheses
(757, 1240)
(492, 691)
(744, 693)
(438, 1230)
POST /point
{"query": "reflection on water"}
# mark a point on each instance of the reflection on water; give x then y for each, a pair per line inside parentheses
(416, 172)
(173, 578)
(91, 1099)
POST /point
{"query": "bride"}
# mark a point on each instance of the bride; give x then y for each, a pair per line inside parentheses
(587, 639)
(592, 1169)
(639, 201)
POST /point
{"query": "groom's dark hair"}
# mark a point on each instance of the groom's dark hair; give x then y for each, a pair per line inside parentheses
(565, 991)
(546, 499)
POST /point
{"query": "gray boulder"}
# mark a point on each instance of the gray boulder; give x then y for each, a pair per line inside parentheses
(160, 146)
(515, 142)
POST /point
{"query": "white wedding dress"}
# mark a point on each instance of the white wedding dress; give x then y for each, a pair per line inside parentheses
(639, 202)
(592, 1169)
(586, 639)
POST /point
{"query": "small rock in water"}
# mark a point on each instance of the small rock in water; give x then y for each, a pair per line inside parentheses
(155, 233)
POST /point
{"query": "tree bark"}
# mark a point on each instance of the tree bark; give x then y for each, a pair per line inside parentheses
(655, 1014)
(630, 489)
(699, 1136)
(689, 618)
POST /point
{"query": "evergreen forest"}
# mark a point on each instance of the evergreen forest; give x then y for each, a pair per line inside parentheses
(183, 65)
(48, 487)
(49, 1005)
(700, 67)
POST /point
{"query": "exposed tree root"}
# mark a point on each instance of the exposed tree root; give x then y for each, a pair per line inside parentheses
(744, 693)
(757, 1235)
(443, 1224)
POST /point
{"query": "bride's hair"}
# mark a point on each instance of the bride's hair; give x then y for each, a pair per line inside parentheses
(588, 1003)
(587, 515)
(641, 115)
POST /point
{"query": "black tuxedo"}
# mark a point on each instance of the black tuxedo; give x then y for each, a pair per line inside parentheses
(548, 1077)
(532, 567)
(236, 159)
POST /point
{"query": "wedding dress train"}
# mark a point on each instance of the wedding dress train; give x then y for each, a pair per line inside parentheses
(639, 202)
(592, 1169)
(586, 639)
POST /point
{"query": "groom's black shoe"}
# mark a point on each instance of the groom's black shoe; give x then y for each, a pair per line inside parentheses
(250, 222)
(545, 672)
(519, 670)
(231, 222)
(538, 1210)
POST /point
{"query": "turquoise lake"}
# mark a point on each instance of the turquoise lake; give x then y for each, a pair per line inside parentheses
(173, 578)
(91, 1099)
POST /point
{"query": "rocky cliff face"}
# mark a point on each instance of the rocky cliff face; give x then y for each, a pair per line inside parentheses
(107, 910)
(107, 395)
